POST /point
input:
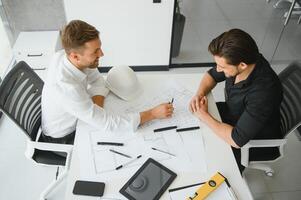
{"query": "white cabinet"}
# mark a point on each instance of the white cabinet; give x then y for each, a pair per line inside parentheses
(36, 48)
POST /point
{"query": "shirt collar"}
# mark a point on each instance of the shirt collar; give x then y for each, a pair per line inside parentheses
(77, 74)
(251, 76)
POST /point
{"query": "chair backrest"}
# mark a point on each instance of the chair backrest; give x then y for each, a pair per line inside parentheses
(290, 109)
(20, 98)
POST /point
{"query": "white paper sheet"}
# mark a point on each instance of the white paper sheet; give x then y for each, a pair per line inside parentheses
(186, 146)
(105, 160)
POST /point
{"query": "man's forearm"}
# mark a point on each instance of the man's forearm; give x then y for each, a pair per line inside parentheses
(146, 116)
(206, 85)
(98, 100)
(221, 129)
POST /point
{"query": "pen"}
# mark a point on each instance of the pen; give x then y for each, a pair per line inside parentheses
(57, 173)
(171, 100)
(165, 128)
(187, 129)
(110, 143)
(163, 151)
(117, 152)
(125, 164)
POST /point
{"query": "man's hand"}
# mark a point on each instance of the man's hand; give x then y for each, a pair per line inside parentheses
(98, 100)
(195, 103)
(221, 129)
(202, 109)
(162, 111)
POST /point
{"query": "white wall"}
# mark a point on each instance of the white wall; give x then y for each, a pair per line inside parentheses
(5, 50)
(133, 32)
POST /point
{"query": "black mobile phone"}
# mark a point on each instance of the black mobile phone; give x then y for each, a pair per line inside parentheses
(89, 188)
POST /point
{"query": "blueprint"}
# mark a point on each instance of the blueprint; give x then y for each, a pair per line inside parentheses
(186, 146)
(181, 117)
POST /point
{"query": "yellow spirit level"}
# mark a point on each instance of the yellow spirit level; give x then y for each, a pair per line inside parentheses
(208, 187)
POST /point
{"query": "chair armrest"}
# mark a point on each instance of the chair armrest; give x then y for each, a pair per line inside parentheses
(52, 146)
(265, 143)
(259, 144)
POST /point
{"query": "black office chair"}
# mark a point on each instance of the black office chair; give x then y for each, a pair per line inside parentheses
(20, 100)
(290, 111)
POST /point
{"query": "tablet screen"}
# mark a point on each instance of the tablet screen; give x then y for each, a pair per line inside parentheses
(149, 182)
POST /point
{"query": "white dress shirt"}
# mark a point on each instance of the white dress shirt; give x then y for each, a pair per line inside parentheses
(67, 97)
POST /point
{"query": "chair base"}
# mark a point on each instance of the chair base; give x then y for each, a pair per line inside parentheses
(264, 167)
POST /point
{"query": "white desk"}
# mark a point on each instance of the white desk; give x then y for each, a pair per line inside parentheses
(219, 154)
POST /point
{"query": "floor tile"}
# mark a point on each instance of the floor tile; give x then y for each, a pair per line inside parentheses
(255, 181)
(190, 47)
(11, 134)
(292, 195)
(263, 196)
(287, 170)
(20, 174)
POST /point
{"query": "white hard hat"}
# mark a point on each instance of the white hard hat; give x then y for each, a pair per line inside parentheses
(123, 82)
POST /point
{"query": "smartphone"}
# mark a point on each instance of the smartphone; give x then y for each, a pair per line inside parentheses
(89, 188)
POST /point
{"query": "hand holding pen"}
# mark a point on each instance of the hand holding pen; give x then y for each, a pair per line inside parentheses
(164, 110)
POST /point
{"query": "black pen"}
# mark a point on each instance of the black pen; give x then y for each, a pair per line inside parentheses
(110, 143)
(187, 129)
(165, 128)
(163, 151)
(117, 152)
(171, 101)
(57, 173)
(125, 164)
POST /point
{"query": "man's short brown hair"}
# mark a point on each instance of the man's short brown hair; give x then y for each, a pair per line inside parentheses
(75, 34)
(235, 46)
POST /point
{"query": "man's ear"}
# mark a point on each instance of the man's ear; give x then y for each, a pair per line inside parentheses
(242, 65)
(74, 56)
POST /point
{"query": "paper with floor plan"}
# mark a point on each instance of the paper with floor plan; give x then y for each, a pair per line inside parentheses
(187, 146)
(181, 117)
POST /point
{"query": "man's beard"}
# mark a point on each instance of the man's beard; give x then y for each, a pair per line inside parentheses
(94, 65)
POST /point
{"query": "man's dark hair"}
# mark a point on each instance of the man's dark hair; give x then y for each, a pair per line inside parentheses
(235, 46)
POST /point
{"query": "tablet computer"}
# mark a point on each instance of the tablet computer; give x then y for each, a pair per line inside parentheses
(149, 182)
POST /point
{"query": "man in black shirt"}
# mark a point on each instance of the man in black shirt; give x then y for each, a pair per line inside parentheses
(253, 95)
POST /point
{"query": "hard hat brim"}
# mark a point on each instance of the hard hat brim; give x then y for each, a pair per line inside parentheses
(126, 97)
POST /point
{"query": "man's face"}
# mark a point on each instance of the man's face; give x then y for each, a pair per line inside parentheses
(223, 66)
(89, 56)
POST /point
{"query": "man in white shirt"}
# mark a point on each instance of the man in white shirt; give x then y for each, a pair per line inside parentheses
(74, 89)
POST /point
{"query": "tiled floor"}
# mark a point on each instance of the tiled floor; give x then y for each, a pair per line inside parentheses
(286, 183)
(206, 19)
(20, 178)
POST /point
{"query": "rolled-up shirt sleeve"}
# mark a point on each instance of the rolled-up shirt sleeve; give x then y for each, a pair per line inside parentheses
(217, 76)
(96, 83)
(82, 107)
(259, 109)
